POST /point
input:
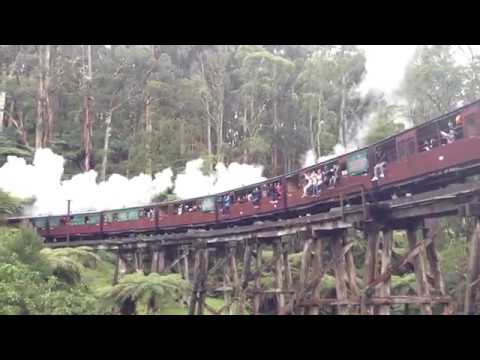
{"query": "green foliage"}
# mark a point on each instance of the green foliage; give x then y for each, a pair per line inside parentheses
(22, 245)
(433, 82)
(68, 263)
(9, 205)
(28, 292)
(153, 291)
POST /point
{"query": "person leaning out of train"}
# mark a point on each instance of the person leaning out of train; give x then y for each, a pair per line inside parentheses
(315, 183)
(379, 168)
(256, 196)
(332, 175)
(278, 188)
(227, 202)
(448, 136)
(320, 178)
(274, 193)
(308, 184)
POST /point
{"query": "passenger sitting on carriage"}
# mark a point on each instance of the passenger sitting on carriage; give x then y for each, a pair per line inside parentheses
(315, 179)
(227, 202)
(256, 196)
(320, 178)
(378, 170)
(450, 135)
(308, 185)
(278, 188)
(273, 193)
(332, 181)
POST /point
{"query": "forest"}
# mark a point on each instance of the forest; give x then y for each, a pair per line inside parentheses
(131, 109)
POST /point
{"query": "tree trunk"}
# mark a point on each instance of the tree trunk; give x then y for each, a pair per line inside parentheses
(274, 145)
(108, 131)
(341, 125)
(319, 124)
(87, 112)
(3, 95)
(245, 133)
(40, 99)
(209, 141)
(182, 137)
(312, 136)
(219, 128)
(148, 136)
(48, 113)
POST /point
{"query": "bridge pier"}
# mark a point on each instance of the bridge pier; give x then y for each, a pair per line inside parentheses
(322, 244)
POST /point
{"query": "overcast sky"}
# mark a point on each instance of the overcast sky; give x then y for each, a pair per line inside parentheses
(386, 66)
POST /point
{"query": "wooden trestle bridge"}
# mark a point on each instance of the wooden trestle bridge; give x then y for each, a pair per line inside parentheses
(325, 241)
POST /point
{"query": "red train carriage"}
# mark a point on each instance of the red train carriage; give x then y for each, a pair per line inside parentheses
(444, 145)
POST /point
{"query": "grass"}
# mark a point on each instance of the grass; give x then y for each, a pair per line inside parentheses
(178, 310)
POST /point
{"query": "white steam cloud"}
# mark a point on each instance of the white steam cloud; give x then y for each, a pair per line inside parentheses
(338, 150)
(193, 183)
(43, 180)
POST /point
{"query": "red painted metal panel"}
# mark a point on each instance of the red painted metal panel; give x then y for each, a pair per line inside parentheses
(440, 158)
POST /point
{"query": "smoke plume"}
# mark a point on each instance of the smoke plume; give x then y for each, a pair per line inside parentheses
(193, 183)
(42, 180)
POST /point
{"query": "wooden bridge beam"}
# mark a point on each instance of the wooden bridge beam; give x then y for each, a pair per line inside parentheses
(422, 287)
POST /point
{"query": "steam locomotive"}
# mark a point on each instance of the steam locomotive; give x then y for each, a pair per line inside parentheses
(438, 152)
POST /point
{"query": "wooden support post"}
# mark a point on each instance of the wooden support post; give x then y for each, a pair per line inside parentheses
(422, 287)
(203, 270)
(384, 290)
(277, 253)
(304, 268)
(351, 273)
(154, 264)
(473, 277)
(161, 265)
(316, 269)
(258, 284)
(186, 274)
(117, 268)
(432, 227)
(227, 282)
(234, 273)
(140, 263)
(288, 270)
(178, 264)
(340, 271)
(135, 261)
(246, 274)
(194, 297)
(371, 270)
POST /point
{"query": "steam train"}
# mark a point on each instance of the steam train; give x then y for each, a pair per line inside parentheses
(431, 155)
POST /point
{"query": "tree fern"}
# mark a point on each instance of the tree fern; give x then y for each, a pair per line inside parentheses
(153, 291)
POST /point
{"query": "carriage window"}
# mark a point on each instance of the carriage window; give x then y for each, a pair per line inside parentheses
(54, 221)
(388, 151)
(40, 223)
(208, 204)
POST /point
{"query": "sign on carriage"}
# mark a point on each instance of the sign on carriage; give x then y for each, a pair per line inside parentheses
(357, 163)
